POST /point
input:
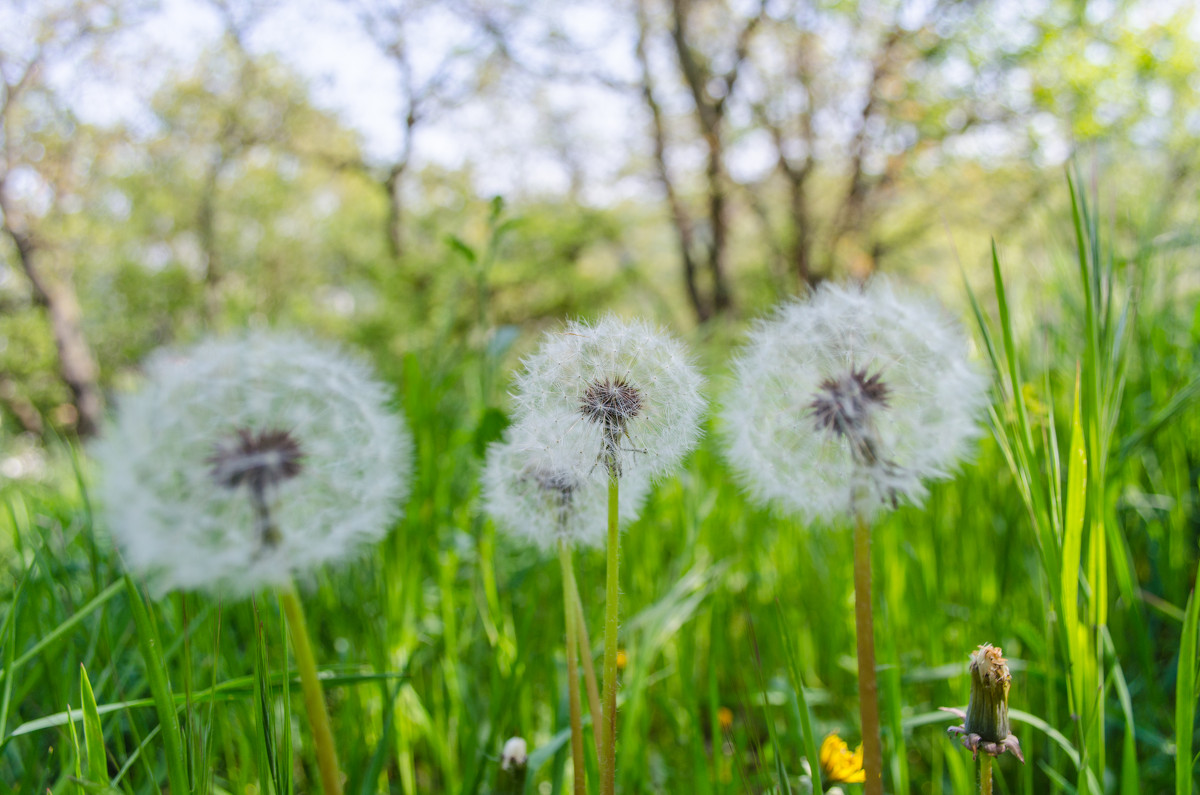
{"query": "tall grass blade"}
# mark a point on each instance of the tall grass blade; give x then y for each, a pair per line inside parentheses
(160, 689)
(8, 636)
(810, 740)
(93, 733)
(1185, 698)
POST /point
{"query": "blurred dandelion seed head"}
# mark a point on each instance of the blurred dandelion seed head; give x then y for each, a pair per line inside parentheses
(845, 402)
(242, 461)
(541, 490)
(515, 753)
(622, 393)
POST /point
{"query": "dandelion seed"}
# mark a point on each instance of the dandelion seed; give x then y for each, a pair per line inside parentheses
(848, 401)
(620, 393)
(240, 462)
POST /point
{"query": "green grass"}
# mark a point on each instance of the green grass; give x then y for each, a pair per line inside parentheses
(1070, 541)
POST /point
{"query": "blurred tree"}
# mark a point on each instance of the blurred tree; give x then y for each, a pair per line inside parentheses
(828, 111)
(228, 192)
(442, 54)
(710, 78)
(46, 159)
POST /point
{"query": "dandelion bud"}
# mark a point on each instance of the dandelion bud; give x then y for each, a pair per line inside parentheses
(987, 711)
(510, 777)
(985, 721)
(240, 462)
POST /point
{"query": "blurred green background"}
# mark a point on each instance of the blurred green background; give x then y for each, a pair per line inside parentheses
(435, 184)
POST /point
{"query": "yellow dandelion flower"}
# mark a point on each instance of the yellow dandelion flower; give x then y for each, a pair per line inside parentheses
(838, 764)
(725, 718)
(622, 659)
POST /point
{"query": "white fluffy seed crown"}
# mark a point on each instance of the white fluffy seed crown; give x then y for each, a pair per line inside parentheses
(184, 527)
(614, 377)
(789, 436)
(615, 394)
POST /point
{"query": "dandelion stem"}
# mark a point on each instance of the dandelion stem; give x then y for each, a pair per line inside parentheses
(868, 690)
(589, 668)
(314, 698)
(564, 557)
(985, 775)
(608, 759)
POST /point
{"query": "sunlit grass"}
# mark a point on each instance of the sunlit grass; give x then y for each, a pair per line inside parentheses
(447, 639)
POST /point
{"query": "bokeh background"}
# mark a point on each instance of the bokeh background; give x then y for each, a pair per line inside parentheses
(435, 183)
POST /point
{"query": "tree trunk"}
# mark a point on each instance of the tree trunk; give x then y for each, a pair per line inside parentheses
(77, 366)
(801, 244)
(679, 215)
(719, 245)
(395, 217)
(206, 220)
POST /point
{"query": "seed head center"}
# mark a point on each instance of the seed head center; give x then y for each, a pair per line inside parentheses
(260, 460)
(843, 404)
(611, 403)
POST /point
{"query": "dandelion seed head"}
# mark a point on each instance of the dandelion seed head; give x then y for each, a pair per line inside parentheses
(542, 489)
(625, 389)
(303, 426)
(515, 753)
(849, 400)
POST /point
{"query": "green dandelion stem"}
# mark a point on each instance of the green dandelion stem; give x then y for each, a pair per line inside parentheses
(564, 557)
(985, 775)
(608, 760)
(314, 698)
(589, 668)
(868, 689)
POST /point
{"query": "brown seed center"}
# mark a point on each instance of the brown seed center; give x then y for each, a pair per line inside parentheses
(260, 460)
(612, 403)
(843, 404)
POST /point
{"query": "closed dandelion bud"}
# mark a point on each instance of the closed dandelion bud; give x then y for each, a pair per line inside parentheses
(985, 722)
(987, 711)
(241, 462)
(514, 760)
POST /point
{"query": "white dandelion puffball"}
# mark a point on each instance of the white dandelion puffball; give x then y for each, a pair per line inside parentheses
(845, 402)
(243, 461)
(623, 394)
(539, 491)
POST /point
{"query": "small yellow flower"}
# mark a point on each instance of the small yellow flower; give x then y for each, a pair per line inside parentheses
(622, 659)
(838, 764)
(725, 718)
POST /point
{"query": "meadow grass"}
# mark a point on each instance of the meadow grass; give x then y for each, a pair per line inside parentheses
(1070, 541)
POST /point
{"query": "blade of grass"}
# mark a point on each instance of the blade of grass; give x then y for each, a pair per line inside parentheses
(93, 733)
(810, 739)
(9, 635)
(1185, 698)
(160, 688)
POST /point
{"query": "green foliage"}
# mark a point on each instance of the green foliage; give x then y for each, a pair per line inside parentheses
(445, 640)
